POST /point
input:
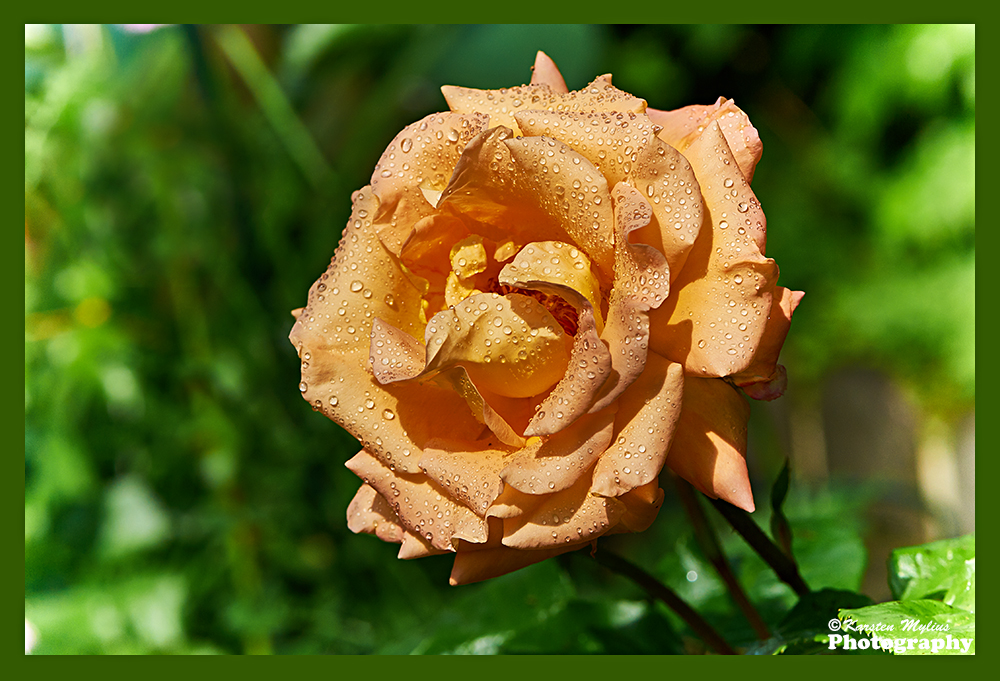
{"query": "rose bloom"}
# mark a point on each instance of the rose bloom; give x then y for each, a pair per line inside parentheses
(541, 299)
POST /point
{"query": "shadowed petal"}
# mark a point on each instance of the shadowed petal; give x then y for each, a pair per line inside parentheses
(762, 379)
(558, 462)
(415, 546)
(476, 566)
(468, 471)
(641, 284)
(715, 318)
(572, 516)
(642, 504)
(647, 416)
(710, 442)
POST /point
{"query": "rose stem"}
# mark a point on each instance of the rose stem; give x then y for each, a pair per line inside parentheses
(667, 596)
(783, 566)
(709, 543)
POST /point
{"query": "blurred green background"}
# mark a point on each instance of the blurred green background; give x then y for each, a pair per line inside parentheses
(185, 185)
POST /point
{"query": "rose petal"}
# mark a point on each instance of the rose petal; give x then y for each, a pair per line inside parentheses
(647, 417)
(476, 566)
(641, 284)
(715, 318)
(560, 270)
(556, 463)
(763, 369)
(588, 369)
(709, 448)
(682, 126)
(613, 149)
(420, 505)
(394, 354)
(468, 471)
(510, 504)
(668, 183)
(332, 336)
(495, 185)
(642, 505)
(546, 72)
(501, 105)
(421, 156)
(457, 379)
(370, 513)
(572, 516)
(416, 547)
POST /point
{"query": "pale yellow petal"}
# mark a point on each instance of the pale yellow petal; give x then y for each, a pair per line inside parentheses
(556, 463)
(647, 417)
(709, 446)
(714, 319)
(422, 156)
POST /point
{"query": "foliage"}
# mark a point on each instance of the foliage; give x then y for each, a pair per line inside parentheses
(184, 187)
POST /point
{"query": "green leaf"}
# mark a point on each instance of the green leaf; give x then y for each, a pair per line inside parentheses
(937, 570)
(805, 629)
(780, 528)
(918, 627)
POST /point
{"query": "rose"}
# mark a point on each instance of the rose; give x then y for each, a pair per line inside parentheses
(543, 298)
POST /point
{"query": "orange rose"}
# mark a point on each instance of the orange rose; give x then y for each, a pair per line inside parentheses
(542, 298)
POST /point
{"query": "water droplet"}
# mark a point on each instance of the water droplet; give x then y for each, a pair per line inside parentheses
(303, 387)
(742, 207)
(738, 279)
(723, 224)
(406, 144)
(370, 403)
(728, 183)
(334, 401)
(356, 286)
(389, 414)
(701, 343)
